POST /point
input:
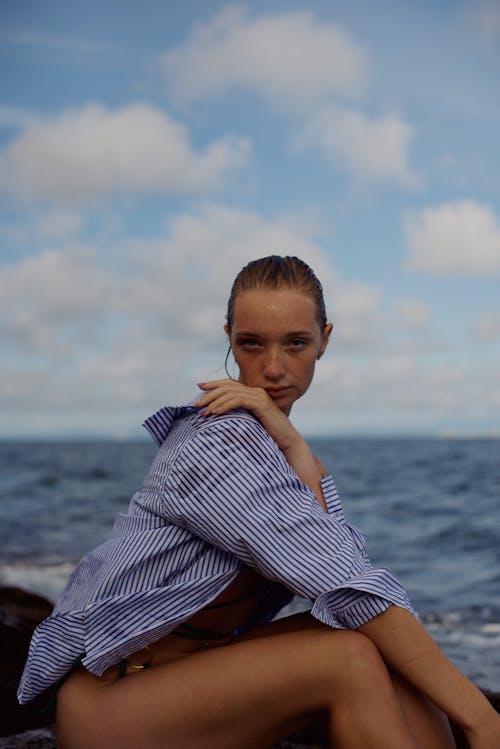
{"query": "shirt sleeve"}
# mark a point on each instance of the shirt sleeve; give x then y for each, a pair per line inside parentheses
(235, 489)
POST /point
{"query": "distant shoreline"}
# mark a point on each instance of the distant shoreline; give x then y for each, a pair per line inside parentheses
(355, 437)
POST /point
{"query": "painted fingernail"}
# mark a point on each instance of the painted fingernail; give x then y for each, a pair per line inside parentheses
(200, 384)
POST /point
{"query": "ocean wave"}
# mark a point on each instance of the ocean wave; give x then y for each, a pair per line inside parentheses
(46, 580)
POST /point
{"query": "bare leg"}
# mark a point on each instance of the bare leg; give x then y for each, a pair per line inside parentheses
(427, 724)
(248, 695)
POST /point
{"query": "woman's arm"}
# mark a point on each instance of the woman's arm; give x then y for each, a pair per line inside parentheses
(232, 486)
(401, 640)
(221, 396)
(407, 648)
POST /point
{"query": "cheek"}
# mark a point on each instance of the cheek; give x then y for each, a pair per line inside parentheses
(246, 365)
(306, 370)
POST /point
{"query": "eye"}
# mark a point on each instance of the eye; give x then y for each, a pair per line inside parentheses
(250, 344)
(297, 344)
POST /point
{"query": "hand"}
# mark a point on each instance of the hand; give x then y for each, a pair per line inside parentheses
(221, 396)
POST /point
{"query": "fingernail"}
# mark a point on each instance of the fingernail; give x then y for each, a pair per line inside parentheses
(200, 384)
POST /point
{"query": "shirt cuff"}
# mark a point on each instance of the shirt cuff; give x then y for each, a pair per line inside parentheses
(360, 611)
(360, 599)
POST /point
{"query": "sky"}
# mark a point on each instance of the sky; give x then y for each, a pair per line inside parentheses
(149, 150)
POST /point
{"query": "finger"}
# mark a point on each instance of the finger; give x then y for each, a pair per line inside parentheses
(223, 400)
(210, 396)
(224, 386)
(222, 405)
(211, 384)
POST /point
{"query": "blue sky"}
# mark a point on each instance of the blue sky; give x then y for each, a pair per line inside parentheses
(149, 150)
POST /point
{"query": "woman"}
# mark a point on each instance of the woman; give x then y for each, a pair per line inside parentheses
(163, 636)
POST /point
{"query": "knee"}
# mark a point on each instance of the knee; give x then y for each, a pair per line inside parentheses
(362, 661)
(361, 652)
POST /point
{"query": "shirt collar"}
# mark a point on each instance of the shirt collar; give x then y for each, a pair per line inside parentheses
(160, 423)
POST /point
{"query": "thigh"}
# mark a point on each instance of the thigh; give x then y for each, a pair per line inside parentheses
(246, 695)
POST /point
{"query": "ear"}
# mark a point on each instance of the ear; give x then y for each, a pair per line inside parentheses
(327, 331)
(226, 329)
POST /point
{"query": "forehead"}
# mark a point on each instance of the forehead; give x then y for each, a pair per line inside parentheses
(274, 308)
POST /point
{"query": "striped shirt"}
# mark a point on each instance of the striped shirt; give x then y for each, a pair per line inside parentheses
(219, 495)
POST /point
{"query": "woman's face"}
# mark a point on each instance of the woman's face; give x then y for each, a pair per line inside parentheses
(276, 340)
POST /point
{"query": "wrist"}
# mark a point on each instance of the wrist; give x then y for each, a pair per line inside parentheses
(292, 442)
(480, 717)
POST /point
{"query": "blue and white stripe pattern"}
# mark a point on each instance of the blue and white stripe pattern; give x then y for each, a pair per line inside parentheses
(219, 495)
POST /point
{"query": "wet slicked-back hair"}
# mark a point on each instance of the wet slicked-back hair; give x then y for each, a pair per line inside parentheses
(276, 272)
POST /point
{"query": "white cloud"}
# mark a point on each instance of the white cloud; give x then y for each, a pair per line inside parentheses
(14, 233)
(94, 329)
(59, 225)
(79, 49)
(486, 327)
(204, 252)
(490, 17)
(97, 337)
(15, 117)
(457, 238)
(199, 259)
(53, 302)
(86, 154)
(124, 372)
(412, 313)
(355, 313)
(291, 59)
(370, 149)
(386, 392)
(300, 65)
(485, 16)
(46, 227)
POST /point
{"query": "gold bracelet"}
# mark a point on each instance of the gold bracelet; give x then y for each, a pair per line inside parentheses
(146, 664)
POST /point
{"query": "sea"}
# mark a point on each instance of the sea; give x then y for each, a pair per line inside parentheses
(430, 509)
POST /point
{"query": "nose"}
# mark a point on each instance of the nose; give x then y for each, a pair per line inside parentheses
(274, 365)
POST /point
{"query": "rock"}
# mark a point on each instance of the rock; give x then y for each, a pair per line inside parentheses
(41, 738)
(20, 612)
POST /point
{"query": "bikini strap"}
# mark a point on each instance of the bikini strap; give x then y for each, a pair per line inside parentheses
(189, 632)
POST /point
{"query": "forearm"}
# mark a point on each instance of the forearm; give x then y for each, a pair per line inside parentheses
(407, 648)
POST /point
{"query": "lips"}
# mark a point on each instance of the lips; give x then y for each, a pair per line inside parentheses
(277, 392)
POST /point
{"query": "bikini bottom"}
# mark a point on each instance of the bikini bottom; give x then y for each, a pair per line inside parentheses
(184, 630)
